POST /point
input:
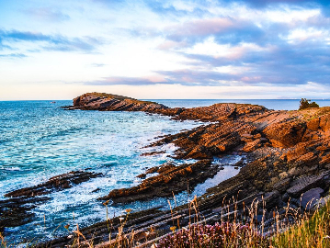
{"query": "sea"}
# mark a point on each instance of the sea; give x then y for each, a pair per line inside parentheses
(39, 140)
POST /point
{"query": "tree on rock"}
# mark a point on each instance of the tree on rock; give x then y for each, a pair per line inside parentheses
(304, 104)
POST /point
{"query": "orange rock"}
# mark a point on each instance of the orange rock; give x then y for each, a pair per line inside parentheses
(257, 136)
(296, 152)
(306, 159)
(251, 146)
(325, 123)
(325, 159)
(313, 124)
(285, 134)
(322, 148)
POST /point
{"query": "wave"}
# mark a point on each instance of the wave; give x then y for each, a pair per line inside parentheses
(11, 169)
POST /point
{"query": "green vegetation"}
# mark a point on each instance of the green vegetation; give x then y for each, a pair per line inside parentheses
(307, 232)
(304, 104)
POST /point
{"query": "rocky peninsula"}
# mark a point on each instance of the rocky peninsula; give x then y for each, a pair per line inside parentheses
(288, 162)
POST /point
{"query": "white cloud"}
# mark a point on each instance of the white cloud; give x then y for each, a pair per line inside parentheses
(288, 15)
(297, 36)
(211, 48)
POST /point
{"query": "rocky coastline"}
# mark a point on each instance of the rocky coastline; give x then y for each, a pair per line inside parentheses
(288, 163)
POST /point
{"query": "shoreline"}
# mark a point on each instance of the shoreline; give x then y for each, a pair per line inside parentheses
(287, 151)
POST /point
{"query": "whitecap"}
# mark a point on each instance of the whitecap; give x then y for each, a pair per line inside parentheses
(11, 168)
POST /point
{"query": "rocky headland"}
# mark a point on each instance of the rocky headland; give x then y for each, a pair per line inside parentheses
(288, 163)
(111, 102)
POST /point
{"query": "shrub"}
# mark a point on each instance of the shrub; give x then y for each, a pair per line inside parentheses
(304, 104)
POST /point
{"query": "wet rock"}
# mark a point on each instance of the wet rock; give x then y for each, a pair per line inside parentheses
(17, 211)
(56, 183)
(142, 176)
(152, 153)
(170, 180)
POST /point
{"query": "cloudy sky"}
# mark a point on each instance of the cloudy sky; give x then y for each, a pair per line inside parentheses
(165, 49)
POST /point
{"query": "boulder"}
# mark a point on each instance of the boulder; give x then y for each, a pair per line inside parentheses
(310, 198)
(305, 183)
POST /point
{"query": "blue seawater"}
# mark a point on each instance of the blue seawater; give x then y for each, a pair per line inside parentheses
(39, 140)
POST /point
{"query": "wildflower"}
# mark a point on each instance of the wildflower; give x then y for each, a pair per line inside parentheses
(173, 228)
(121, 219)
(147, 233)
(106, 203)
(70, 236)
(128, 210)
(67, 226)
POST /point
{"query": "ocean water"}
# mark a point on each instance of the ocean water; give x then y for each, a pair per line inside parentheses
(40, 140)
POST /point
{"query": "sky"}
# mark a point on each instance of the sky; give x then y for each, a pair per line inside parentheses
(180, 49)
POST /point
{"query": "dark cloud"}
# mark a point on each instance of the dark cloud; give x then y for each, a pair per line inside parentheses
(53, 42)
(282, 65)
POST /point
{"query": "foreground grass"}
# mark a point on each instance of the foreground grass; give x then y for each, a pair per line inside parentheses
(309, 230)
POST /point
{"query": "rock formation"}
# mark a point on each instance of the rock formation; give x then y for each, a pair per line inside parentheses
(288, 160)
(288, 151)
(109, 102)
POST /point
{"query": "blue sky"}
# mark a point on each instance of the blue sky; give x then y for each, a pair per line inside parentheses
(165, 49)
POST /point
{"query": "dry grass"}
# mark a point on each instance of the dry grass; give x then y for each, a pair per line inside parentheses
(304, 230)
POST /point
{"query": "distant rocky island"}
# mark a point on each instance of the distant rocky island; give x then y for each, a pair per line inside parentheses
(288, 160)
